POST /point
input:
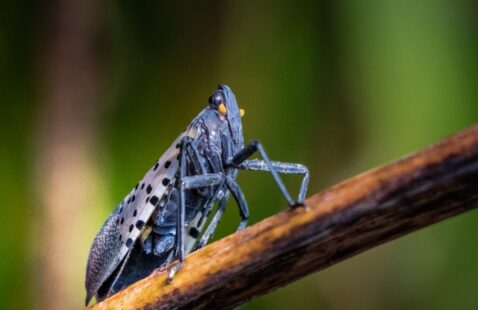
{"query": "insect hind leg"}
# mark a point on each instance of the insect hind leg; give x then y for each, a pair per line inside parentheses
(281, 167)
(256, 146)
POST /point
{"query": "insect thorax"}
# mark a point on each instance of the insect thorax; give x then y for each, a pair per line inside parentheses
(209, 128)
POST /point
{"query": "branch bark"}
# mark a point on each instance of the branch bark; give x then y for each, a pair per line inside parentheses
(340, 222)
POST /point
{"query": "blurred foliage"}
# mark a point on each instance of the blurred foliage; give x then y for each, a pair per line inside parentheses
(341, 86)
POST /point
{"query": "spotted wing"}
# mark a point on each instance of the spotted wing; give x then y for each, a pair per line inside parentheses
(126, 223)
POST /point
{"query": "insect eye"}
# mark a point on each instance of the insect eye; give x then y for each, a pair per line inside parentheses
(216, 99)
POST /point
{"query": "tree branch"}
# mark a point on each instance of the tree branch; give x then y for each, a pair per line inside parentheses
(347, 219)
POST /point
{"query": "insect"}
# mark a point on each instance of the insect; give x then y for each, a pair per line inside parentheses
(163, 218)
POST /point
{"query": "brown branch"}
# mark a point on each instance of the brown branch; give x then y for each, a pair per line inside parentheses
(349, 218)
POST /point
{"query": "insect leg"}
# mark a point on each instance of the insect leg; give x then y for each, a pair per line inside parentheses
(202, 180)
(234, 188)
(186, 183)
(280, 167)
(213, 224)
(180, 245)
(256, 146)
(193, 155)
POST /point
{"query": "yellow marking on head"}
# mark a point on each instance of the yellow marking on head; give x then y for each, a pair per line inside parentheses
(222, 109)
(242, 112)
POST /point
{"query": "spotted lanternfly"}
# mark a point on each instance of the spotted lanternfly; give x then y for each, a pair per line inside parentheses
(162, 218)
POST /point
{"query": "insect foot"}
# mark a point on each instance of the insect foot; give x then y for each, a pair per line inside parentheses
(299, 204)
(173, 271)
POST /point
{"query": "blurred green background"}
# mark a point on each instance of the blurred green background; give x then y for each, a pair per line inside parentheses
(92, 93)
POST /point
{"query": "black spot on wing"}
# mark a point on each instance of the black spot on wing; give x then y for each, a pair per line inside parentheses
(131, 228)
(194, 232)
(167, 164)
(165, 181)
(156, 166)
(149, 189)
(140, 224)
(129, 243)
(142, 186)
(154, 200)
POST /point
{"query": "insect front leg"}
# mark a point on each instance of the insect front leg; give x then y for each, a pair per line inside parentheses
(193, 155)
(280, 167)
(256, 146)
(187, 183)
(187, 150)
(180, 224)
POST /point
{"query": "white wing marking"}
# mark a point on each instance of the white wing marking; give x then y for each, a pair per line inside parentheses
(138, 210)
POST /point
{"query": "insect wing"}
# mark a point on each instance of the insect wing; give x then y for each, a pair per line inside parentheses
(140, 204)
(125, 224)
